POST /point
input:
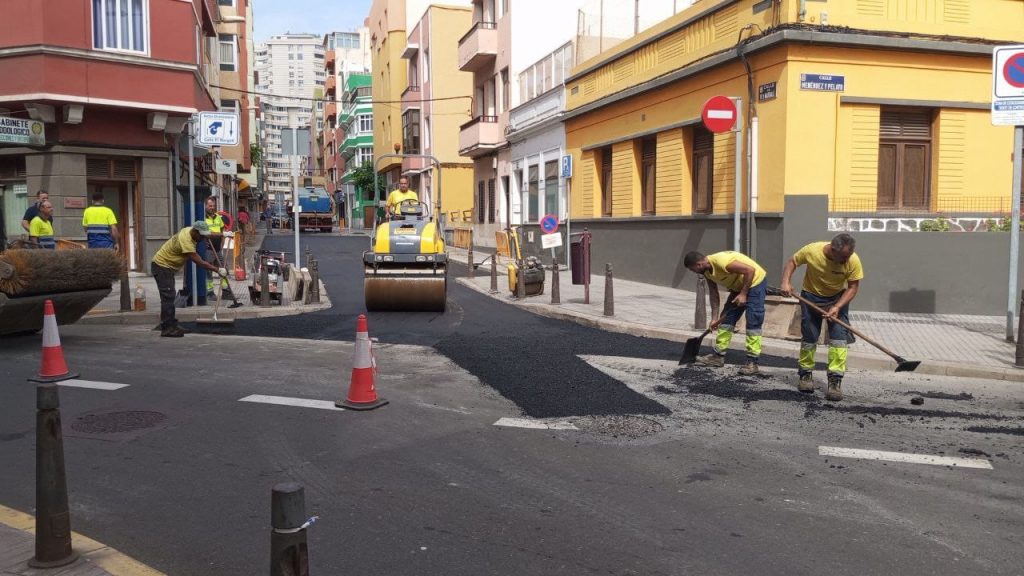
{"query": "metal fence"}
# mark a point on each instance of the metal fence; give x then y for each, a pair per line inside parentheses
(995, 206)
(601, 24)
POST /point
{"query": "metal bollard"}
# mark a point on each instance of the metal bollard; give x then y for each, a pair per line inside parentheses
(556, 297)
(314, 277)
(520, 281)
(53, 516)
(309, 256)
(289, 551)
(494, 273)
(264, 286)
(700, 311)
(1019, 359)
(472, 270)
(609, 298)
(126, 294)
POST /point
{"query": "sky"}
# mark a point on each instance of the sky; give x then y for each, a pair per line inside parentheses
(313, 16)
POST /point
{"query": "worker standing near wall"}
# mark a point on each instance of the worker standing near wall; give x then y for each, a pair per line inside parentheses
(744, 279)
(40, 229)
(166, 263)
(100, 224)
(33, 210)
(831, 281)
(216, 224)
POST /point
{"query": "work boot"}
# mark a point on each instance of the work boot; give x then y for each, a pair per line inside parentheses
(806, 384)
(713, 360)
(173, 332)
(835, 388)
(750, 369)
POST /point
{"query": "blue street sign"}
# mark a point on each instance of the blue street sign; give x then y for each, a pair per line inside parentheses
(549, 223)
(823, 82)
(567, 166)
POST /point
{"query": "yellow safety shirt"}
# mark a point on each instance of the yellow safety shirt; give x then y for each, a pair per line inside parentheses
(732, 281)
(396, 197)
(42, 231)
(97, 221)
(175, 251)
(825, 277)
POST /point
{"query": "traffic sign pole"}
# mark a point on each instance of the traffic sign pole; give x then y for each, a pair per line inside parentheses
(739, 175)
(1018, 146)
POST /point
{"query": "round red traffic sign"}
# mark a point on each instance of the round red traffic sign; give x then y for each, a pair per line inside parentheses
(1013, 70)
(719, 114)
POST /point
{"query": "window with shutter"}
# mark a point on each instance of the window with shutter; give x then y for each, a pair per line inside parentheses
(647, 171)
(606, 181)
(703, 170)
(904, 159)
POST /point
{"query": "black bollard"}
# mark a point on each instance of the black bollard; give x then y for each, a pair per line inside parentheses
(494, 273)
(700, 311)
(520, 280)
(309, 256)
(609, 298)
(264, 285)
(289, 551)
(53, 517)
(1019, 360)
(314, 277)
(556, 297)
(472, 269)
(126, 294)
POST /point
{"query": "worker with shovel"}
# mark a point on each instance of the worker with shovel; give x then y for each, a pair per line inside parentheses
(166, 263)
(744, 279)
(831, 282)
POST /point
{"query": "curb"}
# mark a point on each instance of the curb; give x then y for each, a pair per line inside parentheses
(773, 345)
(92, 552)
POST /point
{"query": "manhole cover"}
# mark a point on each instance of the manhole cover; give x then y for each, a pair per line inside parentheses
(117, 422)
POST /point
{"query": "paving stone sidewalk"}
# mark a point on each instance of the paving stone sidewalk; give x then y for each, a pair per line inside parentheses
(947, 344)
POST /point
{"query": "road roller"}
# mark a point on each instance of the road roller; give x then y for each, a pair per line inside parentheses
(407, 268)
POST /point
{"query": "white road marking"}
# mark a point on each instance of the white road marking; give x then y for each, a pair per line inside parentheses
(75, 383)
(445, 408)
(286, 401)
(904, 457)
(535, 424)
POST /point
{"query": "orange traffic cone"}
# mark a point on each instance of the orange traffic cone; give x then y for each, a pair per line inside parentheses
(53, 368)
(362, 394)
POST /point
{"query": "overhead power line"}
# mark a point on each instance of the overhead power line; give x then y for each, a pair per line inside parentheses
(308, 99)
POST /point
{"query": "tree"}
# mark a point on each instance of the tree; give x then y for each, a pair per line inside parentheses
(362, 178)
(255, 154)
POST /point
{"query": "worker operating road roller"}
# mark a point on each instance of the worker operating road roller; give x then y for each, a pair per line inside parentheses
(166, 263)
(399, 195)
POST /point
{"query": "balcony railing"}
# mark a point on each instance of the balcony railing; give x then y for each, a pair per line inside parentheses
(478, 47)
(996, 206)
(410, 89)
(479, 135)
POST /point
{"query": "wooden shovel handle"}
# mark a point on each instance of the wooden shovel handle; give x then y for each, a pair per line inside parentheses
(860, 335)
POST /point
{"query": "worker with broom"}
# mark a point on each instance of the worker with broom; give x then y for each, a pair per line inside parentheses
(217, 226)
(166, 263)
(831, 282)
(744, 279)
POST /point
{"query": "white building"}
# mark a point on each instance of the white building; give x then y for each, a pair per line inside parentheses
(291, 68)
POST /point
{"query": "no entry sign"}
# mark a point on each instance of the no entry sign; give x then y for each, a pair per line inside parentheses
(719, 114)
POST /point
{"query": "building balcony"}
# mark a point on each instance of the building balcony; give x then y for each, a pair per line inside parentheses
(411, 93)
(479, 136)
(330, 111)
(330, 58)
(479, 47)
(331, 85)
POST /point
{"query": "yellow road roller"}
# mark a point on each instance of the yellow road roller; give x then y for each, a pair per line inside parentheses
(407, 269)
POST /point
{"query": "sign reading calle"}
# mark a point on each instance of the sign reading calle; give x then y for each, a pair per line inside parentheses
(823, 82)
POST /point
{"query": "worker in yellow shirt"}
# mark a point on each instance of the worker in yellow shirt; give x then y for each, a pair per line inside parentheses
(216, 224)
(744, 279)
(166, 263)
(399, 195)
(100, 224)
(831, 281)
(40, 229)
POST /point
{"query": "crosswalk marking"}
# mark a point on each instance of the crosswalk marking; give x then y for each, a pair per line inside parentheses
(904, 457)
(535, 424)
(287, 401)
(75, 383)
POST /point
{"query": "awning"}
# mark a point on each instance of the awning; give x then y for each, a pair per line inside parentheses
(243, 187)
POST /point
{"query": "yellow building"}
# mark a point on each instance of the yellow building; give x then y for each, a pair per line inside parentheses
(880, 106)
(387, 24)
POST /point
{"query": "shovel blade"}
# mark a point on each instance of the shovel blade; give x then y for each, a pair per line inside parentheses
(907, 365)
(690, 350)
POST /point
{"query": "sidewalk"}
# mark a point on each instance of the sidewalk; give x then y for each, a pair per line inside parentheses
(108, 310)
(17, 547)
(947, 344)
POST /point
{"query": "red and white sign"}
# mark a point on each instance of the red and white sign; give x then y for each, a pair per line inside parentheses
(719, 114)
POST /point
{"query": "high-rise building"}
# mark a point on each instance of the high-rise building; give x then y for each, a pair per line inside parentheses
(289, 70)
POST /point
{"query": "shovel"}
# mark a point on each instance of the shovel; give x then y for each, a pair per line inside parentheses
(692, 347)
(902, 364)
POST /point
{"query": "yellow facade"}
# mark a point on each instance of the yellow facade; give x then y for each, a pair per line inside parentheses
(810, 141)
(387, 41)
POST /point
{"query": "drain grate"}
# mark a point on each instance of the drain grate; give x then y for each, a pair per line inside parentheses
(117, 422)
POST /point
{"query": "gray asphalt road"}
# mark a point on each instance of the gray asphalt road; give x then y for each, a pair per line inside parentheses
(711, 475)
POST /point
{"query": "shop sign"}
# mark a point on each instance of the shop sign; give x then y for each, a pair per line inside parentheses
(21, 131)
